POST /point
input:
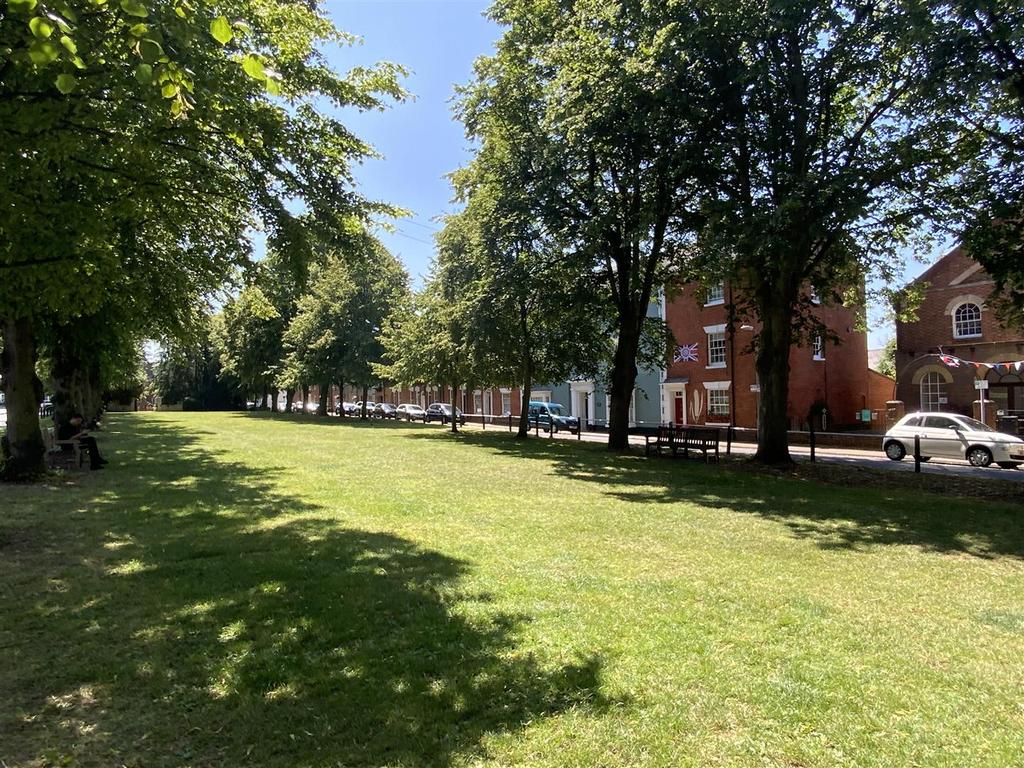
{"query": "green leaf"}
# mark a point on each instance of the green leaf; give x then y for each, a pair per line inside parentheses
(144, 74)
(169, 91)
(150, 50)
(23, 6)
(69, 44)
(220, 28)
(273, 87)
(66, 83)
(40, 27)
(253, 67)
(42, 52)
(138, 30)
(134, 8)
(77, 61)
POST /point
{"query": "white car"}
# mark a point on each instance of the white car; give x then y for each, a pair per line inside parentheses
(410, 411)
(952, 436)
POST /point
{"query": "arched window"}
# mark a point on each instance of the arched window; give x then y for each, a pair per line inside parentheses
(933, 391)
(967, 321)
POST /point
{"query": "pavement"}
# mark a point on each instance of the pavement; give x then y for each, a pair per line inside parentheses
(849, 456)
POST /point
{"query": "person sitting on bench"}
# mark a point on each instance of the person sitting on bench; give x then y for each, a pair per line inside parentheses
(72, 430)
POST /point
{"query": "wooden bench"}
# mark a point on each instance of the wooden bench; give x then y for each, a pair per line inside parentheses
(683, 438)
(703, 439)
(667, 438)
(64, 454)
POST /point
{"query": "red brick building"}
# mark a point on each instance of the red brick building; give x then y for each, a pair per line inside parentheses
(953, 317)
(713, 378)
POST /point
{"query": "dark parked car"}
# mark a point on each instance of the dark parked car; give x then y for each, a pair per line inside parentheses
(347, 409)
(385, 411)
(443, 412)
(549, 416)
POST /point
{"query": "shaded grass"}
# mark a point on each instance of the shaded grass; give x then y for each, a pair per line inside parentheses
(242, 589)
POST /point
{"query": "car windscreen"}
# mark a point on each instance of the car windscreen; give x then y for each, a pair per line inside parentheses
(555, 410)
(976, 426)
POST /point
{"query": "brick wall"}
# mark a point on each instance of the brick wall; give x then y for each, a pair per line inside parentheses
(840, 380)
(952, 280)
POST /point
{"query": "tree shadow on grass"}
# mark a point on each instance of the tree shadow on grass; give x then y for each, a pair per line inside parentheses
(832, 516)
(179, 610)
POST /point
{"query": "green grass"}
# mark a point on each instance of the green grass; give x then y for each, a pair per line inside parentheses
(236, 590)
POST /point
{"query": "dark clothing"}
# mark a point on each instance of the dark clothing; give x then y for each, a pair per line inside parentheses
(68, 431)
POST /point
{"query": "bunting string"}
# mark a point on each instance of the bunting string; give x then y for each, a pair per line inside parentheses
(1006, 367)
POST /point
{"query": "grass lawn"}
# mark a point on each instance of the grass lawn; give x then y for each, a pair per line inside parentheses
(240, 590)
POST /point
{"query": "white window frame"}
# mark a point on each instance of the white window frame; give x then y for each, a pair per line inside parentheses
(722, 407)
(716, 294)
(478, 401)
(818, 347)
(957, 322)
(506, 401)
(932, 389)
(540, 396)
(714, 331)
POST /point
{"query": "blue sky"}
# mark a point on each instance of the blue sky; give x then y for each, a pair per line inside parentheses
(437, 41)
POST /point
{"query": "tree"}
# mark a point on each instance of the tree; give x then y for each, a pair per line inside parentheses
(887, 361)
(838, 142)
(189, 372)
(333, 337)
(143, 140)
(531, 316)
(601, 107)
(988, 44)
(249, 341)
(429, 339)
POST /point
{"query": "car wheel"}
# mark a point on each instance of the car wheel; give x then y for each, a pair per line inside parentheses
(895, 450)
(979, 456)
(1008, 464)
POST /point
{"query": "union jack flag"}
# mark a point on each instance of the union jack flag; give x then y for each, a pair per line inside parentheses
(685, 353)
(952, 362)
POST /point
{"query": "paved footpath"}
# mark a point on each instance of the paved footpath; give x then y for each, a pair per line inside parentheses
(869, 459)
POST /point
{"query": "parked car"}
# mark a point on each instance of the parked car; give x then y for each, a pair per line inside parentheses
(550, 417)
(347, 409)
(442, 412)
(298, 406)
(311, 407)
(410, 411)
(385, 411)
(952, 436)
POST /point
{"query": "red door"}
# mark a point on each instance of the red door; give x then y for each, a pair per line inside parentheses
(677, 412)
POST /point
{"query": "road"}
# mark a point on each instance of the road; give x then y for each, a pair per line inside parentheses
(869, 459)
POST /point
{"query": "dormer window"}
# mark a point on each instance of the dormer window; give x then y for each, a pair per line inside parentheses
(967, 321)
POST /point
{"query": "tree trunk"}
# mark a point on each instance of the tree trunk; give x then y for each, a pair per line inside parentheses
(273, 399)
(325, 396)
(773, 375)
(305, 396)
(366, 394)
(23, 450)
(455, 409)
(289, 398)
(524, 412)
(622, 385)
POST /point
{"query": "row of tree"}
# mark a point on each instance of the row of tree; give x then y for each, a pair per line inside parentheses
(141, 141)
(791, 147)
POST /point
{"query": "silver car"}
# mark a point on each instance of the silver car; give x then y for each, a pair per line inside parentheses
(410, 411)
(952, 436)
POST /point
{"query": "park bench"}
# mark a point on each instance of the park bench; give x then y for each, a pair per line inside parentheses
(64, 454)
(685, 439)
(663, 438)
(703, 439)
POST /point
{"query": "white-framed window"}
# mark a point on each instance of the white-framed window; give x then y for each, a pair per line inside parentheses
(506, 402)
(933, 391)
(967, 321)
(716, 345)
(716, 294)
(718, 402)
(818, 347)
(478, 402)
(541, 396)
